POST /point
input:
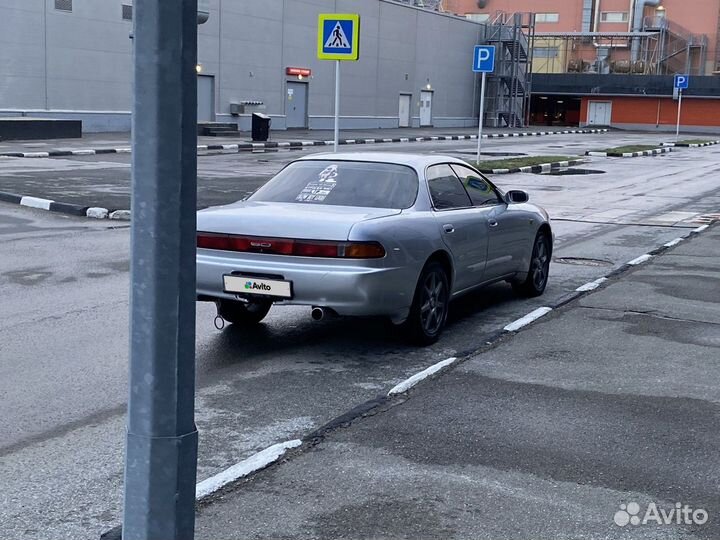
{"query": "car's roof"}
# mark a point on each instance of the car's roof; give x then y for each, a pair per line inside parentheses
(418, 161)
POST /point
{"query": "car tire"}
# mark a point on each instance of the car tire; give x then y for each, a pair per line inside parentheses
(236, 312)
(429, 309)
(539, 271)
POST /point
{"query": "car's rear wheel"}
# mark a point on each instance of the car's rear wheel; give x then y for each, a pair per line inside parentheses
(237, 312)
(537, 277)
(429, 310)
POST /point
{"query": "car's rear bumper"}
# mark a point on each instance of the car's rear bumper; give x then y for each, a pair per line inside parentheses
(356, 288)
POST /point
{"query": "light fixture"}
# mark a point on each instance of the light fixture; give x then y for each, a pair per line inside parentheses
(300, 77)
(428, 86)
(198, 68)
(561, 101)
(543, 97)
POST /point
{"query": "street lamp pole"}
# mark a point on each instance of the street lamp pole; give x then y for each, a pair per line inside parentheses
(161, 453)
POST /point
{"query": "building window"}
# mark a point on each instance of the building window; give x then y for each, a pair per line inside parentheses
(614, 16)
(547, 17)
(63, 5)
(127, 12)
(478, 17)
(546, 52)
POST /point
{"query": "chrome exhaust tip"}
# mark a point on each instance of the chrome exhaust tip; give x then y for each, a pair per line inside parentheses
(317, 313)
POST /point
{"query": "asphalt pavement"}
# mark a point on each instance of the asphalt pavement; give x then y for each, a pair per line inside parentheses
(104, 181)
(544, 435)
(63, 323)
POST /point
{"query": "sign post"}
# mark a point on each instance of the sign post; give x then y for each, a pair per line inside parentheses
(682, 82)
(161, 451)
(483, 62)
(339, 40)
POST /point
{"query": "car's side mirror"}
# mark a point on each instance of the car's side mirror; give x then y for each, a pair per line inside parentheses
(516, 196)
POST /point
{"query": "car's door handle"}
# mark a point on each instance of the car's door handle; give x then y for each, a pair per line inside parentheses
(448, 228)
(492, 222)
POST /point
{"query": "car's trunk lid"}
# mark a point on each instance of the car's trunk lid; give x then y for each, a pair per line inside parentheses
(287, 220)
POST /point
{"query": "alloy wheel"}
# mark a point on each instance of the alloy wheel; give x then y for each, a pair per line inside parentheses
(433, 305)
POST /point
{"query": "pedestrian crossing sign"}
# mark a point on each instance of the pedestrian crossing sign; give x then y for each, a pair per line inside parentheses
(339, 36)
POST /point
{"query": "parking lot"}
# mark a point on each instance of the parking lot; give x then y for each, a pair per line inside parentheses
(64, 342)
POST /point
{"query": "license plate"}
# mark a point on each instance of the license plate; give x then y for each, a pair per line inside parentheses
(257, 286)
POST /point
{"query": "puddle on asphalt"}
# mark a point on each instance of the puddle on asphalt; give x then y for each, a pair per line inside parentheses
(493, 154)
(571, 172)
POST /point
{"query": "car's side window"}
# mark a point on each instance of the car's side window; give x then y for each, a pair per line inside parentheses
(480, 191)
(446, 189)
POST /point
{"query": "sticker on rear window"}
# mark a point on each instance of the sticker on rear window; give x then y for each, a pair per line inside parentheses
(318, 190)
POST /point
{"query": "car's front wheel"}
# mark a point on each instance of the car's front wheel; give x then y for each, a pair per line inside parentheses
(537, 277)
(429, 310)
(237, 312)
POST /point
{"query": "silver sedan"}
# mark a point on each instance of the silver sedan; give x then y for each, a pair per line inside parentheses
(370, 234)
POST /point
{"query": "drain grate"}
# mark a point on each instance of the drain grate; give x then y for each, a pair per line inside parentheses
(582, 261)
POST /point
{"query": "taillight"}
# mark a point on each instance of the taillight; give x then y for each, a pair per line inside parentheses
(316, 249)
(364, 250)
(289, 246)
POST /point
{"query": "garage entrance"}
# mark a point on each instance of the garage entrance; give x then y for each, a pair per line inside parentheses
(599, 113)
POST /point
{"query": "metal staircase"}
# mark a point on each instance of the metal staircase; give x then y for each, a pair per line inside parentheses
(677, 50)
(508, 91)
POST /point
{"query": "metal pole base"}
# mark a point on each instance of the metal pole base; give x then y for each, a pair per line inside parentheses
(166, 488)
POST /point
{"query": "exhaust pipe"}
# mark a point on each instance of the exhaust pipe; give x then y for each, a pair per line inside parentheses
(317, 313)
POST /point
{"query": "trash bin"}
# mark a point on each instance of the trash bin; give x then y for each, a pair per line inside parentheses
(261, 127)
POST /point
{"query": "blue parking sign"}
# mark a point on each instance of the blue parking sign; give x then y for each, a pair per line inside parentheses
(484, 59)
(682, 81)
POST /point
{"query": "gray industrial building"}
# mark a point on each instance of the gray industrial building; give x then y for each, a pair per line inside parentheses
(72, 59)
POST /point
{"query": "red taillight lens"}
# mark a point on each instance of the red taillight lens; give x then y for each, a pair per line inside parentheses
(289, 246)
(316, 249)
(213, 241)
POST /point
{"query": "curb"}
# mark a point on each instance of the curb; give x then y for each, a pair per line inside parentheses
(545, 167)
(399, 393)
(64, 208)
(692, 145)
(252, 146)
(655, 152)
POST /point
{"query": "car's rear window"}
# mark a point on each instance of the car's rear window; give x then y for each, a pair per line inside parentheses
(342, 183)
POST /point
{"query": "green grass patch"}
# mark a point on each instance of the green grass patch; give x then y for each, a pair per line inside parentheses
(515, 163)
(631, 148)
(695, 141)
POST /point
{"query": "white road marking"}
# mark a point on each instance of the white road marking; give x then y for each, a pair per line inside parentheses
(424, 374)
(701, 229)
(675, 242)
(641, 259)
(36, 154)
(254, 463)
(592, 285)
(35, 202)
(527, 319)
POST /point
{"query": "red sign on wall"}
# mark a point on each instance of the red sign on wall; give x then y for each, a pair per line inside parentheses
(297, 71)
